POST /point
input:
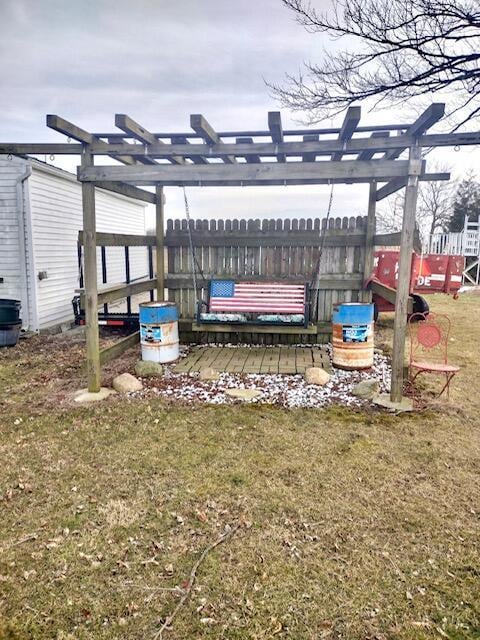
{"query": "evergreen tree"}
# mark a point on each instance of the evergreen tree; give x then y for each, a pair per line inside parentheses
(466, 203)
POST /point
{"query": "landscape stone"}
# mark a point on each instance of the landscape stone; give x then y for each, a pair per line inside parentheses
(84, 395)
(208, 374)
(243, 394)
(126, 383)
(316, 375)
(148, 369)
(366, 389)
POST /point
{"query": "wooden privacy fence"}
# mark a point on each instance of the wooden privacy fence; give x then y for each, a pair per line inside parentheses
(268, 250)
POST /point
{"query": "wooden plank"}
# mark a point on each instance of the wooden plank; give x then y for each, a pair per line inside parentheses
(276, 131)
(398, 183)
(117, 292)
(119, 240)
(309, 157)
(42, 148)
(128, 190)
(72, 131)
(387, 239)
(113, 351)
(229, 328)
(183, 141)
(331, 281)
(368, 155)
(404, 278)
(323, 147)
(160, 242)
(132, 128)
(255, 238)
(352, 118)
(91, 301)
(427, 119)
(389, 294)
(250, 174)
(250, 157)
(204, 129)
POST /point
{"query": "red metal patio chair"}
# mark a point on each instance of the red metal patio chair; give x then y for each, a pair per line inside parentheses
(429, 347)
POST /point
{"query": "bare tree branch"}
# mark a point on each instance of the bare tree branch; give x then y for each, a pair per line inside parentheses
(401, 49)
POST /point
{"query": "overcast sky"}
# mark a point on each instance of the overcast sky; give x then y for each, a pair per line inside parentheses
(159, 61)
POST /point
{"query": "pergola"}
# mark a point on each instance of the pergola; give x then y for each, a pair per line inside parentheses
(274, 156)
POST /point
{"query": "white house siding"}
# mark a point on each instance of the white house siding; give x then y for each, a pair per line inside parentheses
(10, 255)
(56, 214)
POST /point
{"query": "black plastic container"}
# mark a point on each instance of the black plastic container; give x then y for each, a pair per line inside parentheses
(9, 311)
(9, 334)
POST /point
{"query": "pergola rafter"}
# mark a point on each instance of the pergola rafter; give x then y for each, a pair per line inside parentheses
(210, 158)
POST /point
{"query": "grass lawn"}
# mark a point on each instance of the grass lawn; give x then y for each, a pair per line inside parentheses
(351, 524)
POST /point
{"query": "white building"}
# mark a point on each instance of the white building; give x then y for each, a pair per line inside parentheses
(40, 217)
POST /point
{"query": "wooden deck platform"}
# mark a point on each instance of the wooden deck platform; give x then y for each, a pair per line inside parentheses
(281, 359)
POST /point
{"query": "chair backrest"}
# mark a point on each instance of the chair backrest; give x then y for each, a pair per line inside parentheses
(429, 335)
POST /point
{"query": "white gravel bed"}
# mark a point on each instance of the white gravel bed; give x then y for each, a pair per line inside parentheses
(276, 389)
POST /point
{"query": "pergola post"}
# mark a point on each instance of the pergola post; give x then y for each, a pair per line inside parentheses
(404, 275)
(90, 279)
(369, 240)
(160, 242)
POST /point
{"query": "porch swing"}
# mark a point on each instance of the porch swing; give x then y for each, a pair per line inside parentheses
(245, 304)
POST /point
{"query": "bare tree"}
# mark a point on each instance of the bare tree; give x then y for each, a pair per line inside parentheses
(397, 49)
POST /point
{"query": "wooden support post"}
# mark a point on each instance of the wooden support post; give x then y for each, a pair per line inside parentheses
(90, 279)
(159, 209)
(404, 275)
(369, 241)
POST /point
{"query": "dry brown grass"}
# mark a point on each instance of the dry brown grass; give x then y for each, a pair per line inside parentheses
(355, 525)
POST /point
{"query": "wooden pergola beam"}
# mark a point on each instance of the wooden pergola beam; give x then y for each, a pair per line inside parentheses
(249, 174)
(251, 157)
(205, 130)
(132, 128)
(427, 119)
(398, 183)
(352, 118)
(297, 148)
(129, 190)
(276, 131)
(181, 140)
(72, 131)
(309, 157)
(368, 155)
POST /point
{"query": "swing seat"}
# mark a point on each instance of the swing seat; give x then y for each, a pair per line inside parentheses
(255, 303)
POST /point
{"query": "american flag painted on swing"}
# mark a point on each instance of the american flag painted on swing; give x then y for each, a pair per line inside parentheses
(263, 297)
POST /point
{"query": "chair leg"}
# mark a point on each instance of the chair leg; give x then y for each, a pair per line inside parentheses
(449, 378)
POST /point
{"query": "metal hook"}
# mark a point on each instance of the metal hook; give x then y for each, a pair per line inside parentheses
(456, 148)
(52, 157)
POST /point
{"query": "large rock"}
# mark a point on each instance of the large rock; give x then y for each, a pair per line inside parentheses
(316, 375)
(126, 383)
(147, 369)
(243, 394)
(366, 389)
(208, 374)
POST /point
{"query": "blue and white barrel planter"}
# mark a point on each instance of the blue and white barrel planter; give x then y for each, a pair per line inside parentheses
(159, 331)
(352, 335)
